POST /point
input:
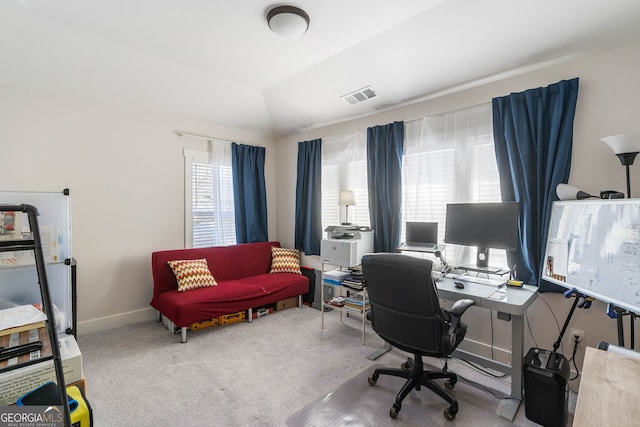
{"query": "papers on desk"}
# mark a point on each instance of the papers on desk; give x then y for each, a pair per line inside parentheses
(22, 317)
(499, 295)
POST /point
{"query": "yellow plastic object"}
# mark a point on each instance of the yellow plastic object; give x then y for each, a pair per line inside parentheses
(82, 415)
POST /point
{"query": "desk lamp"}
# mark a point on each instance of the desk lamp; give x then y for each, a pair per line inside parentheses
(569, 192)
(626, 147)
(347, 198)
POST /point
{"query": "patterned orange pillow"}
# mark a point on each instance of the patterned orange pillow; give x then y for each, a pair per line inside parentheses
(285, 260)
(192, 274)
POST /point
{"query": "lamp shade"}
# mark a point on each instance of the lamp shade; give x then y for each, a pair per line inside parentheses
(347, 198)
(288, 21)
(625, 146)
(569, 192)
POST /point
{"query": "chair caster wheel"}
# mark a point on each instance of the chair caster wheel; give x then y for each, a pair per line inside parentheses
(393, 412)
(450, 414)
(450, 384)
(373, 379)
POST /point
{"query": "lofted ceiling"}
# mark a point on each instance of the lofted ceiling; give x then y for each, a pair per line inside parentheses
(217, 60)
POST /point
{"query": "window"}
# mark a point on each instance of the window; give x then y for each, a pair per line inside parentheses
(450, 158)
(344, 167)
(209, 209)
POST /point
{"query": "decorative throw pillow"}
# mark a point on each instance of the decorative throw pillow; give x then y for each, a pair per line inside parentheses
(192, 274)
(285, 260)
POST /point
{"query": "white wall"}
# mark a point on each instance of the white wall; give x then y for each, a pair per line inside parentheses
(607, 105)
(125, 173)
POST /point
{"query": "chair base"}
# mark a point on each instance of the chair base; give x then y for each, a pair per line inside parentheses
(413, 371)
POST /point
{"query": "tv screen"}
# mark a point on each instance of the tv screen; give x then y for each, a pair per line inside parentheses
(483, 225)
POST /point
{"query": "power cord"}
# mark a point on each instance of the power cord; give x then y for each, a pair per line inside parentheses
(530, 331)
(481, 369)
(573, 358)
(554, 318)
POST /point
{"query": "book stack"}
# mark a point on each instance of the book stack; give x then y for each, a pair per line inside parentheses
(21, 318)
(357, 302)
(334, 277)
(337, 301)
(355, 279)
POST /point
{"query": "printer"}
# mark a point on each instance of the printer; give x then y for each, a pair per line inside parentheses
(346, 244)
(346, 231)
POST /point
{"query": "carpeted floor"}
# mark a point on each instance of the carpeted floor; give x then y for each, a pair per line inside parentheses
(356, 403)
(259, 374)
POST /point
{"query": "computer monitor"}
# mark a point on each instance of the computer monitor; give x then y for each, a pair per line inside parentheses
(483, 225)
(421, 232)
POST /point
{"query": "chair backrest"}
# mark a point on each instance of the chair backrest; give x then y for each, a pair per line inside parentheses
(404, 302)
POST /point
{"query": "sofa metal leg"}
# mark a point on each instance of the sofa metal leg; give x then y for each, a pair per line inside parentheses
(250, 315)
(183, 334)
(159, 317)
(299, 301)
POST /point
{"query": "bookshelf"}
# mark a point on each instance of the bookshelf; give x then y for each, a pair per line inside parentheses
(347, 295)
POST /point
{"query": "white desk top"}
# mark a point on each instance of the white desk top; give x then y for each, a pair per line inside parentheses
(505, 299)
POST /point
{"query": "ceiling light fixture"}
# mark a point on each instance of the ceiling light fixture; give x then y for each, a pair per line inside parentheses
(288, 21)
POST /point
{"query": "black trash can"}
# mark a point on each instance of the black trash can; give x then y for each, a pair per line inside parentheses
(546, 387)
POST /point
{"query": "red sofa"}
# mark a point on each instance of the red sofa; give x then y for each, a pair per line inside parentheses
(242, 274)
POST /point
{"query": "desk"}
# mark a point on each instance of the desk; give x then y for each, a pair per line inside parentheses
(608, 390)
(513, 301)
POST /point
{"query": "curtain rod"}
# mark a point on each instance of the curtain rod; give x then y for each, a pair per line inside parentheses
(195, 135)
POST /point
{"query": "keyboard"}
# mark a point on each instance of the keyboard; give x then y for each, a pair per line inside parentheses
(480, 280)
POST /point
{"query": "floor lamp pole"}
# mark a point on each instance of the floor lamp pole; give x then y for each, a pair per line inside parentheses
(628, 183)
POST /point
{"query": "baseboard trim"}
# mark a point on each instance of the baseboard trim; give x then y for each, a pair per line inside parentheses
(117, 320)
(482, 349)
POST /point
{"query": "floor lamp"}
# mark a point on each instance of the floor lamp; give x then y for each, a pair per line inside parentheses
(626, 147)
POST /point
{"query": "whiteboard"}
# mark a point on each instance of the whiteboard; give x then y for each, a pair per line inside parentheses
(594, 246)
(18, 279)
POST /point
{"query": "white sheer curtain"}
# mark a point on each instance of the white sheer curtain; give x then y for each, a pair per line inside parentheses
(210, 219)
(450, 158)
(344, 167)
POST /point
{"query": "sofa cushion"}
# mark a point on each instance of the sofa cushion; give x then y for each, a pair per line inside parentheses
(192, 274)
(230, 296)
(285, 260)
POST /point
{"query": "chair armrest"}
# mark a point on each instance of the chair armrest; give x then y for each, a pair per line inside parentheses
(461, 306)
(449, 339)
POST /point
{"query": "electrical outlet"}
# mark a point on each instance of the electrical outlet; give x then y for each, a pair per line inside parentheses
(576, 335)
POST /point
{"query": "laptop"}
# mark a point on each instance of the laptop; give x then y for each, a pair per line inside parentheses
(421, 237)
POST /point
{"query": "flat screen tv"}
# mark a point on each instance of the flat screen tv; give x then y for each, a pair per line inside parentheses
(484, 226)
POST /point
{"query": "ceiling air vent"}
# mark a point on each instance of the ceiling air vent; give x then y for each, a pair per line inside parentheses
(360, 95)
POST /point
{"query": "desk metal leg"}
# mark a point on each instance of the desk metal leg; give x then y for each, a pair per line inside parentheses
(321, 306)
(510, 407)
(379, 352)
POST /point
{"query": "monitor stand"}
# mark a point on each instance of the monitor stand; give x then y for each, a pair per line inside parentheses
(488, 269)
(482, 263)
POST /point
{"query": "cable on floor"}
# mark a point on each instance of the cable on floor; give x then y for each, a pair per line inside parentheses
(481, 369)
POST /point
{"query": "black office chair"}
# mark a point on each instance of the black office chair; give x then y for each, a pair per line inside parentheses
(405, 312)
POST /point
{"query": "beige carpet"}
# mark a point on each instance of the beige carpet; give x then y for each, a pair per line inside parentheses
(275, 370)
(356, 403)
